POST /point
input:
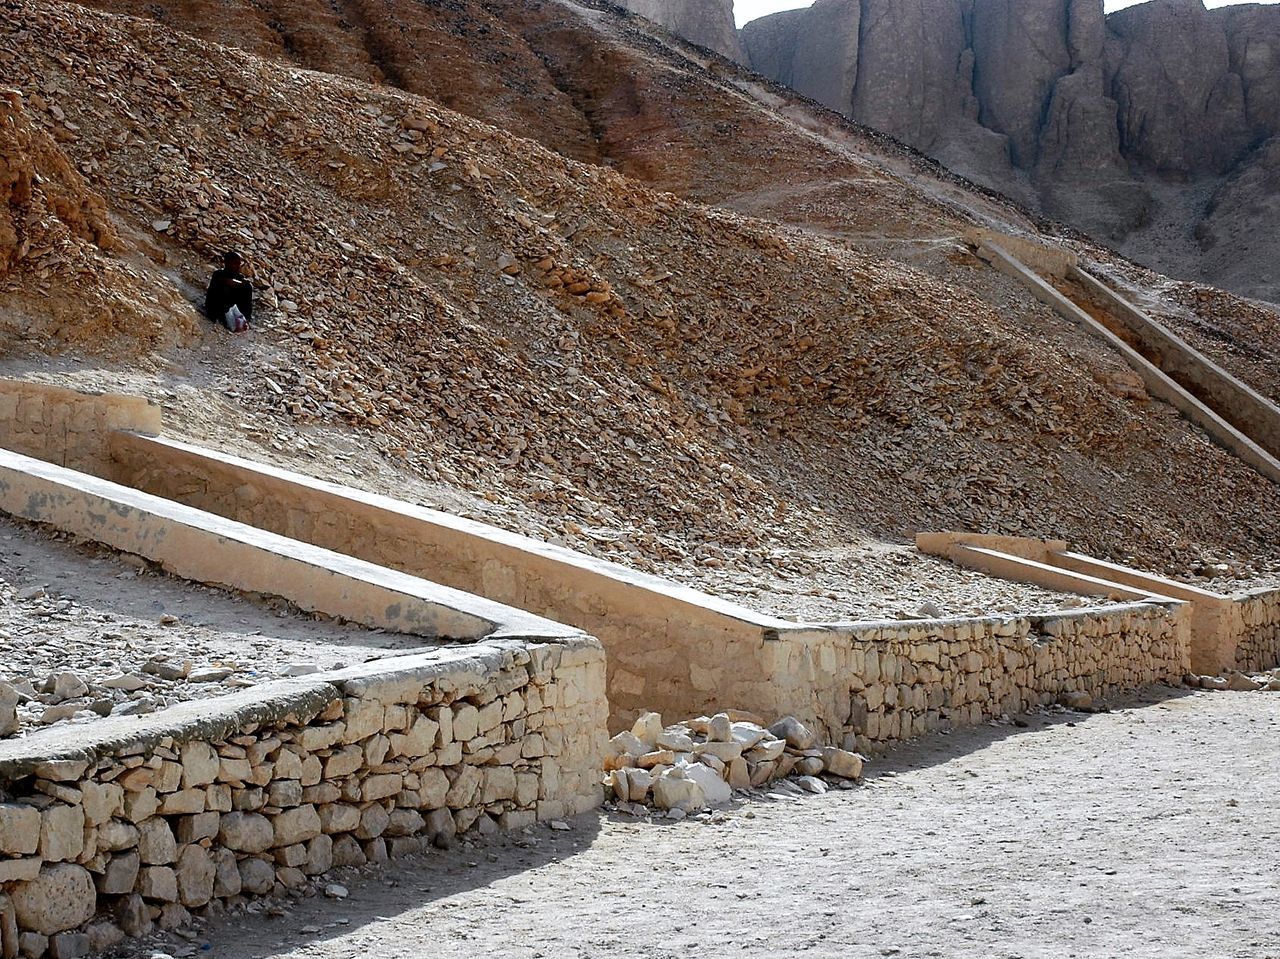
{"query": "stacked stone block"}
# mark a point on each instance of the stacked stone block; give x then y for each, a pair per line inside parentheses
(380, 761)
(1259, 644)
(69, 428)
(911, 680)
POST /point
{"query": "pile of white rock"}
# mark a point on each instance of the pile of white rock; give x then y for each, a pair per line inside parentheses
(1266, 680)
(701, 762)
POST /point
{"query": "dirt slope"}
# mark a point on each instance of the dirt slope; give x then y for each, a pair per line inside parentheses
(676, 386)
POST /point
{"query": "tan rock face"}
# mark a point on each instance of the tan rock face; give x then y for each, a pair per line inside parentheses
(815, 51)
(60, 898)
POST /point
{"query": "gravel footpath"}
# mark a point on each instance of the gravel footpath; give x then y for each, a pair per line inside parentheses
(1142, 832)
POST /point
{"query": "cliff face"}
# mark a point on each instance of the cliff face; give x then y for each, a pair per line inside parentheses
(708, 23)
(1095, 120)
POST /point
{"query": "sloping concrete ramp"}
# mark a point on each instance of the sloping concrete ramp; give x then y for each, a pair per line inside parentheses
(206, 548)
(1222, 627)
(1159, 383)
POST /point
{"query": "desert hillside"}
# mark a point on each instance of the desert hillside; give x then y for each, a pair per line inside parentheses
(687, 322)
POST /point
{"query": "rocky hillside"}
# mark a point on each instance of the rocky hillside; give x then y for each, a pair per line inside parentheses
(677, 385)
(1153, 128)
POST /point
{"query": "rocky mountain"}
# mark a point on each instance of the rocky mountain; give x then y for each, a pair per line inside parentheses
(708, 23)
(1152, 128)
(619, 292)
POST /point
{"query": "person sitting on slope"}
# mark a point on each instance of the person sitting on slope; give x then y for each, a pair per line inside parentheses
(229, 300)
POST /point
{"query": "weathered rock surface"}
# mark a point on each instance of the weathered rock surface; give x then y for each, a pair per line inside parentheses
(708, 23)
(1052, 89)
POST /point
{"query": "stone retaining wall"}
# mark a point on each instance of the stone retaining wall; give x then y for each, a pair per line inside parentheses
(868, 684)
(113, 828)
(1259, 643)
(668, 645)
(66, 427)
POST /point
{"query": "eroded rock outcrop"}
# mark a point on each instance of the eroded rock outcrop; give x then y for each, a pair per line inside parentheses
(43, 200)
(708, 23)
(1181, 107)
(1048, 100)
(814, 50)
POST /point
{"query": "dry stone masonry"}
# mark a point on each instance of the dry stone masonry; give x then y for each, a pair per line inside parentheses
(112, 832)
(1259, 645)
(876, 683)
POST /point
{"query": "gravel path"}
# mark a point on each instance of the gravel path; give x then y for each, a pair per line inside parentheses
(1145, 832)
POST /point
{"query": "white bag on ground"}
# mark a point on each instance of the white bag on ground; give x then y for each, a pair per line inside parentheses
(235, 320)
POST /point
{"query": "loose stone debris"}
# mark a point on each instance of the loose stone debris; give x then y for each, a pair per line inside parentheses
(1267, 680)
(699, 763)
(77, 646)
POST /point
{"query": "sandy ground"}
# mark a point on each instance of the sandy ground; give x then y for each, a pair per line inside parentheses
(1146, 831)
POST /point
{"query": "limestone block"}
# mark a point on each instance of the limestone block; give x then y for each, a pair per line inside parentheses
(364, 718)
(676, 792)
(295, 825)
(376, 749)
(381, 786)
(117, 834)
(433, 788)
(343, 762)
(140, 803)
(195, 875)
(158, 883)
(234, 770)
(489, 717)
(8, 928)
(167, 776)
(101, 801)
(20, 870)
(348, 852)
(338, 817)
(133, 916)
(499, 783)
(19, 829)
(61, 897)
(226, 875)
(318, 856)
(61, 833)
(287, 765)
(840, 762)
(463, 791)
(156, 843)
(200, 764)
(257, 876)
(185, 801)
(285, 793)
(294, 855)
(68, 945)
(373, 822)
(404, 822)
(120, 874)
(246, 832)
(314, 738)
(466, 722)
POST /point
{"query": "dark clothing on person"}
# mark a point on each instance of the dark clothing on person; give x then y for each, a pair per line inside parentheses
(228, 289)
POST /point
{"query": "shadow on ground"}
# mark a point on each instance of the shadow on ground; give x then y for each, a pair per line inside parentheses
(431, 885)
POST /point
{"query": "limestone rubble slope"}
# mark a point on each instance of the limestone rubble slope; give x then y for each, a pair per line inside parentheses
(677, 386)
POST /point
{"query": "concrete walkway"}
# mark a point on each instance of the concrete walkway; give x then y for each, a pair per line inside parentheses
(1149, 831)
